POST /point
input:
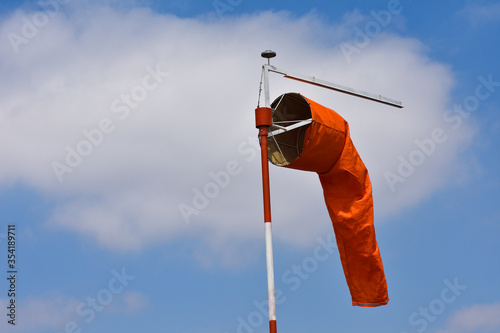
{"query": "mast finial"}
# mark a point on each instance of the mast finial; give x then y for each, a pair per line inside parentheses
(268, 54)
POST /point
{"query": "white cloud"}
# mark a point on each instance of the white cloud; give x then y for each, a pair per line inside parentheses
(476, 319)
(57, 310)
(42, 313)
(134, 301)
(125, 194)
(480, 14)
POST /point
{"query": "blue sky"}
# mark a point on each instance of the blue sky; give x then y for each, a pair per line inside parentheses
(114, 115)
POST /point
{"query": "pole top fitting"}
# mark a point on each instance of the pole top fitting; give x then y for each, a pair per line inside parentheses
(263, 117)
(268, 54)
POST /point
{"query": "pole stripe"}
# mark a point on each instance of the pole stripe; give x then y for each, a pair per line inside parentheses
(270, 271)
(272, 326)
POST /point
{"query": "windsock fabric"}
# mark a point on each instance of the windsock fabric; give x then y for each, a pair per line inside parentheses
(327, 149)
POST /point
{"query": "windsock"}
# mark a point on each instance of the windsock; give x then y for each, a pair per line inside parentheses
(324, 146)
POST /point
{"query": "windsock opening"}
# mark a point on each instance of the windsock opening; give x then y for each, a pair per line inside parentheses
(288, 109)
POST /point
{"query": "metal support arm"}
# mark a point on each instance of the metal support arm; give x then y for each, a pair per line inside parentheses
(333, 86)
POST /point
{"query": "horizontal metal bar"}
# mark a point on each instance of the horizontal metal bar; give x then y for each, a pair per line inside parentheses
(291, 127)
(336, 87)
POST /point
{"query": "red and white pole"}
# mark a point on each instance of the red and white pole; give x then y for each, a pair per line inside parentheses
(263, 120)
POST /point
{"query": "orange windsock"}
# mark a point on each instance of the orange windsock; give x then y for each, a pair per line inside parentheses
(325, 147)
